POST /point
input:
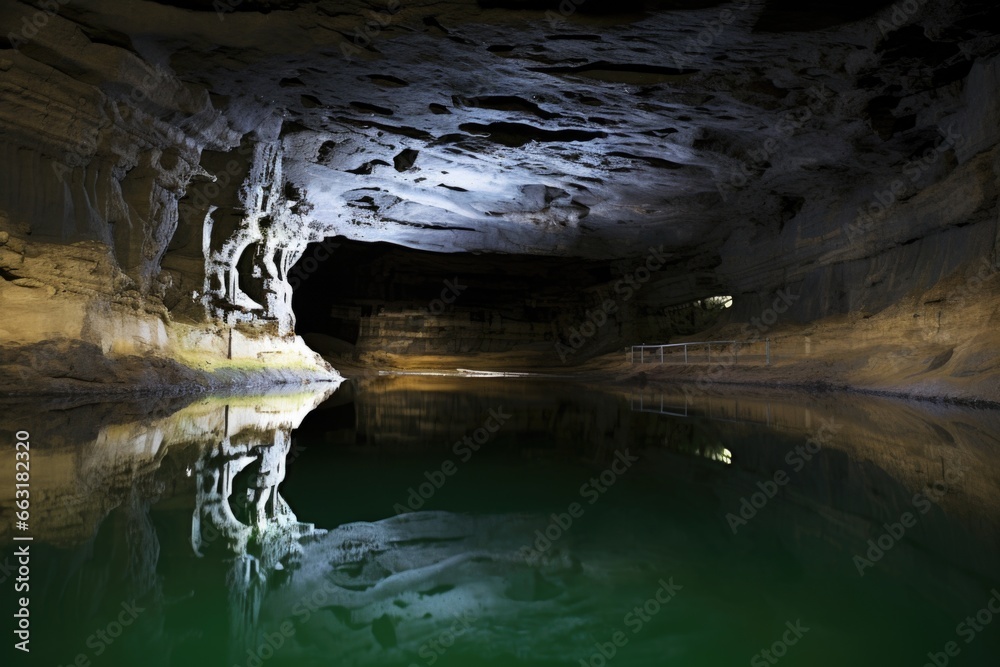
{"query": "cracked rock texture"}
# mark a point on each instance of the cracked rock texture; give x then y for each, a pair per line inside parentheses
(164, 166)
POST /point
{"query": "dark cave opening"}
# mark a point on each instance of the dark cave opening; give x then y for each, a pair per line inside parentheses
(352, 296)
(352, 299)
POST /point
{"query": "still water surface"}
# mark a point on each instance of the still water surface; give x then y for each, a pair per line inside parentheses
(472, 522)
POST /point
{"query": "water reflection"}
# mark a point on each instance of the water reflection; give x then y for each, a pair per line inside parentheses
(239, 511)
(502, 522)
(161, 507)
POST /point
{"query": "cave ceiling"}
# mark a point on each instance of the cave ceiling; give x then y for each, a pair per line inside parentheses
(584, 128)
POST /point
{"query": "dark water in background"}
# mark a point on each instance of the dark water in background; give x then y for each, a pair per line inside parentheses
(215, 534)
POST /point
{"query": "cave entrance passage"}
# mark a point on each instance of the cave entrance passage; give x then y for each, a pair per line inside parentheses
(352, 298)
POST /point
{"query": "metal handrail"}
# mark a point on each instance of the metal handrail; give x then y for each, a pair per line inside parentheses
(709, 343)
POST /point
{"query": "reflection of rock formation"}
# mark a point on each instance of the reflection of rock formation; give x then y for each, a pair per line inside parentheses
(378, 593)
(915, 443)
(236, 492)
(222, 564)
(239, 516)
(391, 586)
(90, 456)
(98, 470)
(457, 587)
(390, 415)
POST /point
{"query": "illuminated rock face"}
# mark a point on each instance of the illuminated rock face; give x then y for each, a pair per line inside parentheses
(107, 280)
(162, 171)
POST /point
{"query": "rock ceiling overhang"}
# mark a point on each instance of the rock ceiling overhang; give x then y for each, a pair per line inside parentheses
(572, 129)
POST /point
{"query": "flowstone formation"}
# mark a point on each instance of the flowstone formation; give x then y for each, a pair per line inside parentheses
(144, 239)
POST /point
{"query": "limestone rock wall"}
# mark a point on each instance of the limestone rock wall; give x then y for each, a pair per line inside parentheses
(129, 250)
(932, 213)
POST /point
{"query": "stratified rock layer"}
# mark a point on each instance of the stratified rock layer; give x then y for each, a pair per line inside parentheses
(182, 155)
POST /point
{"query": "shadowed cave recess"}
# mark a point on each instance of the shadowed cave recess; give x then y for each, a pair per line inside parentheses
(397, 305)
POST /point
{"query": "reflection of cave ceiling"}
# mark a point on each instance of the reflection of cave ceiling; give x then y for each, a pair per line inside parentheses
(496, 127)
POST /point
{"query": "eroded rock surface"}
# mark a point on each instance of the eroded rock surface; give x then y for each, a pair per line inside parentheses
(165, 166)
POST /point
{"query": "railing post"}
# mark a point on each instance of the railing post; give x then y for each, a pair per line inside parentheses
(734, 353)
